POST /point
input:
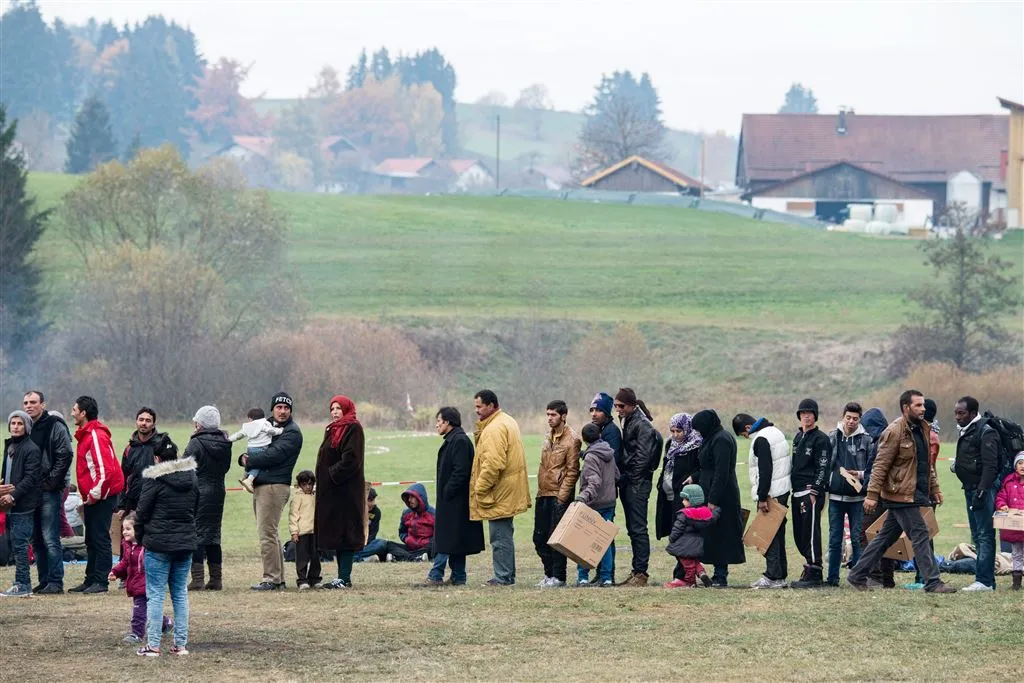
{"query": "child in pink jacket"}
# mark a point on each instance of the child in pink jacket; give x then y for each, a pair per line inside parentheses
(132, 570)
(1011, 496)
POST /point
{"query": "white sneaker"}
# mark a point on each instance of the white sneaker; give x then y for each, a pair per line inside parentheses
(764, 583)
(583, 583)
(372, 558)
(389, 558)
(556, 583)
(545, 582)
(977, 587)
(303, 586)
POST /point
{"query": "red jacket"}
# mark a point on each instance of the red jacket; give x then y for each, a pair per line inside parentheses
(132, 569)
(1011, 494)
(416, 528)
(99, 473)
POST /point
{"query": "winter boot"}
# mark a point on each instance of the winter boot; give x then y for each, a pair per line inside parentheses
(1016, 580)
(197, 577)
(811, 578)
(214, 584)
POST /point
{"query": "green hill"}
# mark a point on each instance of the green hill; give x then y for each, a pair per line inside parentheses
(486, 257)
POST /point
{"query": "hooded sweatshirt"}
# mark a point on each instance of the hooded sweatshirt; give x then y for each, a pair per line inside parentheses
(416, 528)
(849, 452)
(598, 476)
(99, 473)
(874, 423)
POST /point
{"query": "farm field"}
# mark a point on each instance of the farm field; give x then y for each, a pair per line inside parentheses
(387, 628)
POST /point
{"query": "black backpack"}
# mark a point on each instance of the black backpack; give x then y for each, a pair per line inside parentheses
(1011, 440)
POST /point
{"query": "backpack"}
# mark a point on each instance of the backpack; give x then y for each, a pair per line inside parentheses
(659, 448)
(1011, 441)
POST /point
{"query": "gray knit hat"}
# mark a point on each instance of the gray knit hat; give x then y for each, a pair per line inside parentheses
(24, 418)
(207, 417)
(693, 493)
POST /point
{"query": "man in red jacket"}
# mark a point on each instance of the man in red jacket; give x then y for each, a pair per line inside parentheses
(99, 481)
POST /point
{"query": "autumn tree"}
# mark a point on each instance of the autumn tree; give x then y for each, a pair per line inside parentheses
(222, 110)
(91, 142)
(623, 120)
(386, 118)
(799, 100)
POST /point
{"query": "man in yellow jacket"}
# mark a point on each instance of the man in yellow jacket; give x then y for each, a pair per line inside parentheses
(498, 487)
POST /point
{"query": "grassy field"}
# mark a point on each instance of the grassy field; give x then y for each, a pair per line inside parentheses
(458, 257)
(387, 628)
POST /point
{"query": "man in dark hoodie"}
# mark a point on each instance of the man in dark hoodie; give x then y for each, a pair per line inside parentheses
(850, 445)
(415, 527)
(811, 455)
(51, 435)
(138, 455)
(641, 452)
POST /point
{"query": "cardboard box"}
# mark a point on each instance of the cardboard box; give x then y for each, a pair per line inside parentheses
(582, 535)
(902, 549)
(1012, 520)
(764, 526)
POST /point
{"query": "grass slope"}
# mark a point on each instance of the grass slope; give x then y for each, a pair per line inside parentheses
(497, 257)
(386, 628)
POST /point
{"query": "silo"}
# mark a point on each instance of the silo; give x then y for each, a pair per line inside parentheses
(964, 187)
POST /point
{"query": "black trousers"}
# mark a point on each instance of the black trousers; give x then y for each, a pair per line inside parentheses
(210, 553)
(883, 571)
(307, 560)
(402, 553)
(99, 555)
(900, 520)
(776, 567)
(635, 497)
(546, 516)
(807, 527)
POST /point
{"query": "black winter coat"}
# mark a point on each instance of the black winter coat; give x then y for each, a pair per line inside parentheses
(211, 450)
(134, 461)
(51, 435)
(454, 532)
(640, 448)
(340, 513)
(165, 520)
(277, 463)
(688, 532)
(686, 465)
(724, 543)
(26, 473)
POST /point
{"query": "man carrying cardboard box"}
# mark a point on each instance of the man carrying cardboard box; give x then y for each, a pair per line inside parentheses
(556, 483)
(904, 480)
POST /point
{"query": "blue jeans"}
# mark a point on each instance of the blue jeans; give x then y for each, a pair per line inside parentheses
(837, 511)
(457, 563)
(19, 528)
(503, 549)
(983, 535)
(606, 567)
(377, 545)
(46, 540)
(165, 570)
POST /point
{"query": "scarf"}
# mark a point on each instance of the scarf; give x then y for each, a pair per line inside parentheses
(336, 430)
(692, 441)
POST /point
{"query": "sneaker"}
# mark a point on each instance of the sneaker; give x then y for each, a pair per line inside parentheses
(265, 586)
(677, 583)
(247, 484)
(337, 584)
(372, 558)
(636, 580)
(80, 588)
(17, 591)
(584, 583)
(556, 583)
(389, 558)
(913, 586)
(50, 589)
(544, 583)
(433, 582)
(148, 651)
(179, 650)
(608, 583)
(977, 587)
(38, 588)
(303, 586)
(942, 588)
(497, 582)
(94, 589)
(764, 583)
(131, 639)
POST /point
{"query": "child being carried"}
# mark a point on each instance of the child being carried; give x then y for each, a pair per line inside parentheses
(259, 432)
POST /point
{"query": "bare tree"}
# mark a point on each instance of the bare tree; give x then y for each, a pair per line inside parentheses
(623, 120)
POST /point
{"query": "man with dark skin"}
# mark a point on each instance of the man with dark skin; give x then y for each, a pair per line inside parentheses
(977, 468)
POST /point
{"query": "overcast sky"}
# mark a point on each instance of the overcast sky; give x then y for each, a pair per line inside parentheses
(710, 62)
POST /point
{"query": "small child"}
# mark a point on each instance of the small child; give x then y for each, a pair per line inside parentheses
(1011, 495)
(300, 525)
(598, 475)
(132, 569)
(258, 431)
(686, 542)
(73, 508)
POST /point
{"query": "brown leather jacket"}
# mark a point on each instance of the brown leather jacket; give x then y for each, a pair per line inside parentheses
(559, 465)
(894, 474)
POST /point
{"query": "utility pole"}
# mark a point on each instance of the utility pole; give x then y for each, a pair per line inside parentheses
(703, 161)
(497, 156)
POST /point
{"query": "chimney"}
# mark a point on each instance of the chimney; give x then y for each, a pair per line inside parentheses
(841, 125)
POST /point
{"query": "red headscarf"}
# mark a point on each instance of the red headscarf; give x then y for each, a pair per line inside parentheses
(336, 430)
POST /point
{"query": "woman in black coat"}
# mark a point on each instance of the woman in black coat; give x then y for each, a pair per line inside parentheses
(211, 450)
(723, 544)
(455, 535)
(680, 466)
(339, 517)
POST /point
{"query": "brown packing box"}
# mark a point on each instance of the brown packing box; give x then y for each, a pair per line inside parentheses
(902, 550)
(1012, 520)
(764, 526)
(582, 535)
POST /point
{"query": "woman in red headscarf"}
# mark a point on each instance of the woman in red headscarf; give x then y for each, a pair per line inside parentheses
(340, 513)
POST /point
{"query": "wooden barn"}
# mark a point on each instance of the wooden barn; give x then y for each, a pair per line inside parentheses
(637, 174)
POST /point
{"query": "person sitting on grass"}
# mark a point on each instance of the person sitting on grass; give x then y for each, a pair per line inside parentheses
(21, 489)
(131, 569)
(598, 477)
(374, 546)
(258, 431)
(301, 515)
(686, 542)
(416, 528)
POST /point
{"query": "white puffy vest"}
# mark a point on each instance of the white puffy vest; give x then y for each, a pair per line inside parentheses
(782, 462)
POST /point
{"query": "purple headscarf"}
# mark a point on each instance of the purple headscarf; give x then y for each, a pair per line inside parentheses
(693, 440)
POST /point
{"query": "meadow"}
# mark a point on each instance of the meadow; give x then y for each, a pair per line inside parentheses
(388, 628)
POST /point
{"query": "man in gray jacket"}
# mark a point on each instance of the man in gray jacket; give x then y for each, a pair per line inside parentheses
(641, 454)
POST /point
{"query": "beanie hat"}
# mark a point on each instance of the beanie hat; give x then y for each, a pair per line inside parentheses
(602, 402)
(207, 417)
(281, 397)
(693, 493)
(808, 405)
(24, 418)
(1020, 456)
(929, 410)
(626, 395)
(371, 494)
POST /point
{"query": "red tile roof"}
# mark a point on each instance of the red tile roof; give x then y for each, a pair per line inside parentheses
(911, 149)
(460, 166)
(257, 145)
(411, 166)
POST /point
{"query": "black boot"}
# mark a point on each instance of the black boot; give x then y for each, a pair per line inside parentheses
(1016, 580)
(197, 577)
(215, 584)
(811, 578)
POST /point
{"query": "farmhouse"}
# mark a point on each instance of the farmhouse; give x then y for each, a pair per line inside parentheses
(424, 174)
(637, 174)
(470, 174)
(818, 165)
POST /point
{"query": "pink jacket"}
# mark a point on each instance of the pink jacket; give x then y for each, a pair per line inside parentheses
(1011, 494)
(132, 569)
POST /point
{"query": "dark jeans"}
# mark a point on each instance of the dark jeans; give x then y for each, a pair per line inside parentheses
(99, 557)
(776, 566)
(807, 527)
(307, 560)
(19, 529)
(884, 570)
(46, 539)
(503, 549)
(377, 547)
(547, 514)
(900, 520)
(983, 535)
(457, 563)
(606, 567)
(837, 512)
(635, 497)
